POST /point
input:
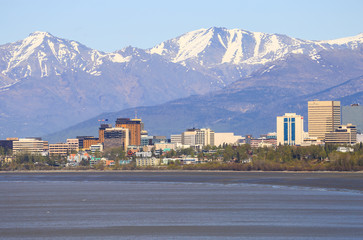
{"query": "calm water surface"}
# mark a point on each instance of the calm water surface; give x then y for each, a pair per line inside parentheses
(107, 207)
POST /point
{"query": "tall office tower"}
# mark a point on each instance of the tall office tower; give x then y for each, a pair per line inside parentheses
(290, 129)
(204, 137)
(134, 126)
(353, 114)
(324, 117)
(101, 131)
(116, 137)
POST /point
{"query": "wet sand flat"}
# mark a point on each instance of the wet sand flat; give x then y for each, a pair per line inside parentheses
(335, 180)
(181, 205)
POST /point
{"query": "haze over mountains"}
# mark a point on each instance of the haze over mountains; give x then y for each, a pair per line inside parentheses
(244, 78)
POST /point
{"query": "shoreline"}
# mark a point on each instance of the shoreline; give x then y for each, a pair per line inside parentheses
(322, 179)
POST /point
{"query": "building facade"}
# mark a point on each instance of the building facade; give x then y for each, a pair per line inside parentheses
(344, 134)
(353, 114)
(323, 117)
(144, 162)
(198, 137)
(85, 142)
(116, 137)
(290, 129)
(134, 126)
(226, 138)
(30, 145)
(101, 132)
(176, 138)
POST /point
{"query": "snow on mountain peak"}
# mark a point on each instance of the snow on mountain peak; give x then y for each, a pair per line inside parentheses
(215, 46)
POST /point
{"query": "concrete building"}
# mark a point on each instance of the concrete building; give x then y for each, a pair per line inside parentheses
(290, 129)
(159, 139)
(96, 148)
(344, 134)
(176, 138)
(73, 144)
(144, 162)
(263, 142)
(134, 127)
(116, 137)
(64, 148)
(204, 137)
(101, 132)
(58, 149)
(86, 141)
(164, 146)
(323, 117)
(226, 138)
(188, 137)
(146, 140)
(198, 137)
(353, 114)
(30, 145)
(143, 154)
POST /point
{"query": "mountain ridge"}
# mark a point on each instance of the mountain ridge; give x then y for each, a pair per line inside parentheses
(48, 83)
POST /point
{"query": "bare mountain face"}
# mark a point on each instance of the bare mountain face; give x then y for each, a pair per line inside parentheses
(48, 83)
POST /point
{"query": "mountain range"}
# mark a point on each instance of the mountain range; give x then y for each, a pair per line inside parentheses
(230, 80)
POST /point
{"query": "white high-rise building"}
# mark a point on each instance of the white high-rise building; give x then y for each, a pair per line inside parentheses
(194, 137)
(290, 129)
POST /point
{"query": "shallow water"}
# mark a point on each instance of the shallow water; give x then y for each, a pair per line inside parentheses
(94, 206)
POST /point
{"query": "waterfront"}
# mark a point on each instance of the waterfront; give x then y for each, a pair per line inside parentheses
(181, 205)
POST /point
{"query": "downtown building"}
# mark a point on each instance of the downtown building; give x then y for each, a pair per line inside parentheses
(30, 145)
(290, 129)
(116, 137)
(197, 137)
(344, 134)
(323, 117)
(353, 114)
(64, 148)
(134, 126)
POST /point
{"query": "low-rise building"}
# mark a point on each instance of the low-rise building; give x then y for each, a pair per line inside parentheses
(144, 162)
(344, 134)
(96, 148)
(58, 149)
(263, 142)
(163, 146)
(226, 138)
(143, 154)
(345, 149)
(30, 145)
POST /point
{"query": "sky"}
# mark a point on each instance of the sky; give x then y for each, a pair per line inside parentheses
(110, 25)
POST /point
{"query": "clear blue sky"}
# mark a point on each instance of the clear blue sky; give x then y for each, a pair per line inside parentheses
(112, 25)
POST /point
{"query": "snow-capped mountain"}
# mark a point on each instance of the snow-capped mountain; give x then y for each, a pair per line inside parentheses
(230, 54)
(45, 79)
(48, 83)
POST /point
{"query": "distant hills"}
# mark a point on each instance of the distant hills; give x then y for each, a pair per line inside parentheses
(230, 80)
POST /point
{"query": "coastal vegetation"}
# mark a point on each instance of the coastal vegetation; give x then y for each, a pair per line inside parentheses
(226, 157)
